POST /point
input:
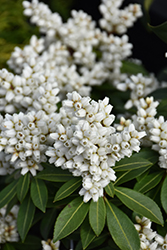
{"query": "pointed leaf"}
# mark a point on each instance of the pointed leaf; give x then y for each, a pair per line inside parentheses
(70, 218)
(8, 246)
(55, 174)
(98, 241)
(148, 182)
(131, 164)
(110, 189)
(8, 193)
(164, 194)
(121, 228)
(68, 188)
(11, 204)
(25, 217)
(48, 222)
(87, 234)
(140, 204)
(97, 215)
(39, 194)
(160, 31)
(23, 186)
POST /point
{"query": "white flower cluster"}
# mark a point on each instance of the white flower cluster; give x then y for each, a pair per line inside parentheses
(118, 20)
(159, 137)
(49, 245)
(56, 56)
(140, 87)
(8, 225)
(24, 139)
(29, 91)
(87, 144)
(149, 239)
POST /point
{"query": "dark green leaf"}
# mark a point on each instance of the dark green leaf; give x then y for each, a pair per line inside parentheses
(68, 188)
(110, 189)
(148, 182)
(159, 93)
(47, 223)
(147, 153)
(97, 215)
(140, 204)
(131, 164)
(70, 218)
(39, 194)
(98, 241)
(87, 234)
(23, 186)
(7, 194)
(31, 243)
(25, 217)
(121, 228)
(8, 246)
(160, 31)
(133, 68)
(164, 194)
(11, 204)
(55, 174)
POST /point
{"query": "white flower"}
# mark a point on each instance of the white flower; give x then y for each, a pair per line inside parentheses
(49, 245)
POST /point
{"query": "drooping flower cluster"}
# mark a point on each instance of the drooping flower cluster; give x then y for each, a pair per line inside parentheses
(8, 225)
(149, 239)
(118, 20)
(87, 144)
(49, 245)
(159, 137)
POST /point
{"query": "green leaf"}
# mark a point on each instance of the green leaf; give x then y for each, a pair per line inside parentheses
(98, 241)
(121, 228)
(159, 93)
(25, 217)
(147, 153)
(110, 189)
(23, 186)
(87, 234)
(7, 194)
(48, 222)
(39, 194)
(161, 109)
(31, 243)
(68, 188)
(70, 218)
(148, 182)
(131, 164)
(140, 204)
(147, 4)
(55, 174)
(124, 176)
(160, 31)
(8, 246)
(133, 68)
(11, 204)
(164, 194)
(97, 215)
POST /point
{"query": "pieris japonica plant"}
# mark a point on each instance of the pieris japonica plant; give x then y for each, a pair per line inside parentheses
(83, 137)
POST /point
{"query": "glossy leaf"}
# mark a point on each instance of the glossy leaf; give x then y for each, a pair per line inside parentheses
(87, 234)
(48, 222)
(25, 217)
(131, 164)
(97, 215)
(160, 31)
(124, 176)
(121, 228)
(147, 153)
(23, 186)
(164, 194)
(8, 193)
(110, 189)
(140, 204)
(148, 182)
(39, 194)
(68, 188)
(55, 174)
(70, 218)
(11, 204)
(98, 241)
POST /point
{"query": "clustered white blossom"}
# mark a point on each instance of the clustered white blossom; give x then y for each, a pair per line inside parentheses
(149, 239)
(159, 137)
(87, 144)
(140, 87)
(49, 245)
(117, 20)
(8, 225)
